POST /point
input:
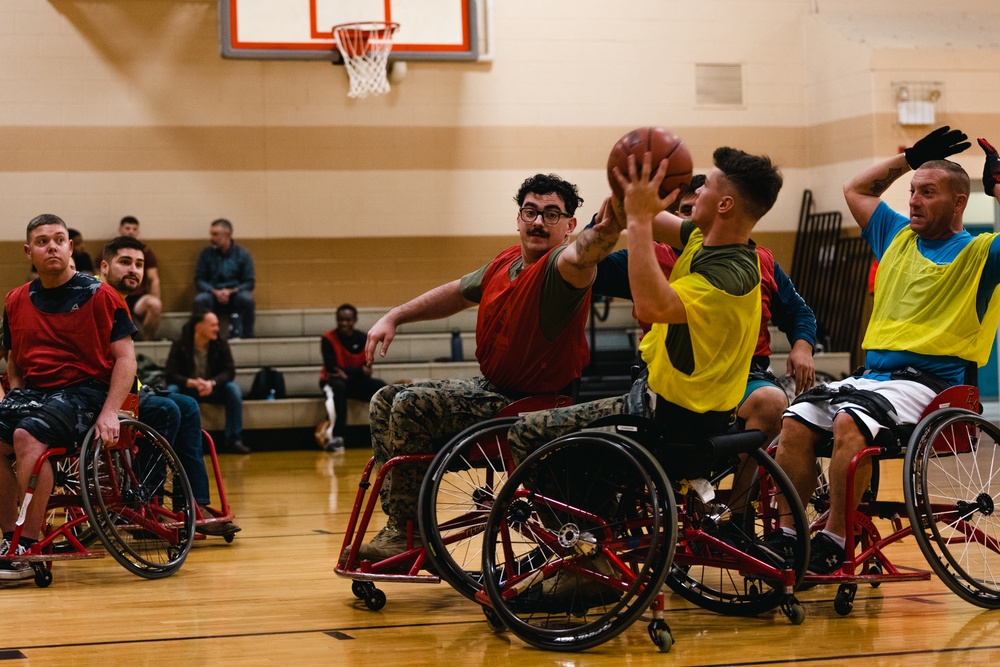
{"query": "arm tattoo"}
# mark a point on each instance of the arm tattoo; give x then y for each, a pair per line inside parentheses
(591, 247)
(880, 185)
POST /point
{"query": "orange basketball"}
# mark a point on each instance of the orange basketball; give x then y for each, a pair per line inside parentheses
(662, 143)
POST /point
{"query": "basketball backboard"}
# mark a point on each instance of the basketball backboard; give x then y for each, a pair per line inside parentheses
(303, 29)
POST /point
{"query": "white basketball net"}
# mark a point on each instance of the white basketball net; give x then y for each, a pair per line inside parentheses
(365, 49)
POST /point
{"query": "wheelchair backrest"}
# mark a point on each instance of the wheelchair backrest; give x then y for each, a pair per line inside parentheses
(960, 396)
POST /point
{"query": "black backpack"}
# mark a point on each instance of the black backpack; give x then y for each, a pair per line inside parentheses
(267, 382)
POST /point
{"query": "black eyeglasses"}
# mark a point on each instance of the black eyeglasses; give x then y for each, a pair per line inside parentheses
(550, 216)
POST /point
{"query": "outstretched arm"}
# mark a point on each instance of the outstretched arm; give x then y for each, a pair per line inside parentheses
(439, 302)
(578, 263)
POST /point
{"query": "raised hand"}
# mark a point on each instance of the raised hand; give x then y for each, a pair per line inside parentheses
(937, 145)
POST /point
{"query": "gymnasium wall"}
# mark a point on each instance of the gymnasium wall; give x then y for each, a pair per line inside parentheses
(114, 107)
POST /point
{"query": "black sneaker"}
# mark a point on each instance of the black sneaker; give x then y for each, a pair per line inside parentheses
(825, 555)
(778, 548)
(13, 570)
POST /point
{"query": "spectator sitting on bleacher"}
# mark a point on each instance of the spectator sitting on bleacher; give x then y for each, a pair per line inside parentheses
(71, 364)
(224, 278)
(345, 374)
(81, 259)
(200, 364)
(144, 302)
(175, 416)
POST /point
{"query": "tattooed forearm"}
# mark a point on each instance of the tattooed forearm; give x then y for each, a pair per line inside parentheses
(880, 185)
(592, 246)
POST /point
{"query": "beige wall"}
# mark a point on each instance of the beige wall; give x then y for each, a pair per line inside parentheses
(125, 107)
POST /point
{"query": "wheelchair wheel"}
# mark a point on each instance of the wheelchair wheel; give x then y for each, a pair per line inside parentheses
(579, 541)
(139, 501)
(952, 489)
(65, 505)
(718, 564)
(456, 497)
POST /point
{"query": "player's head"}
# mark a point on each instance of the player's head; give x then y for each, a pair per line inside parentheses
(545, 215)
(124, 263)
(752, 179)
(939, 193)
(49, 248)
(543, 184)
(685, 206)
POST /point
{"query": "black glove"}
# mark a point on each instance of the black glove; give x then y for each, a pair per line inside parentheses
(991, 170)
(937, 145)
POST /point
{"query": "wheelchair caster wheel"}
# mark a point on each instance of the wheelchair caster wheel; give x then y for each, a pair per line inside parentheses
(360, 589)
(229, 538)
(875, 570)
(844, 602)
(660, 634)
(375, 600)
(493, 620)
(43, 576)
(795, 613)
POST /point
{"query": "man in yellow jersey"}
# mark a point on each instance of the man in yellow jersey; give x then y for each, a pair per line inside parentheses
(706, 315)
(933, 315)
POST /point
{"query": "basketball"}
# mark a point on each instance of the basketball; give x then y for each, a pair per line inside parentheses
(662, 143)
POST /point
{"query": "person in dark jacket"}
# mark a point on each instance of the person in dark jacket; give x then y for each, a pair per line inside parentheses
(224, 279)
(201, 365)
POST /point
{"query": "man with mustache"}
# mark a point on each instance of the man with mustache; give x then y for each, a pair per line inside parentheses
(530, 339)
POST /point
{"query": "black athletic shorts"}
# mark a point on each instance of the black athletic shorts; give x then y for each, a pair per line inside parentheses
(58, 417)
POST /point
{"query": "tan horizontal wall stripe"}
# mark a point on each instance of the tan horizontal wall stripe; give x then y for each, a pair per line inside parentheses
(29, 149)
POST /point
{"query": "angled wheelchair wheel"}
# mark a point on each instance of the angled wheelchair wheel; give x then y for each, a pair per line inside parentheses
(139, 501)
(719, 563)
(579, 541)
(65, 512)
(456, 497)
(952, 491)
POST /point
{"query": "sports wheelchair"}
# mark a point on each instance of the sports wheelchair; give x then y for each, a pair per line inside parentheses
(132, 495)
(589, 527)
(455, 499)
(951, 486)
(223, 512)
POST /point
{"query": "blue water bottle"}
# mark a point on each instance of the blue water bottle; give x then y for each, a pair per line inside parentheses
(456, 345)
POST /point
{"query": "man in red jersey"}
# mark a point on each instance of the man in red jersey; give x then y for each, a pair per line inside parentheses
(530, 339)
(345, 374)
(71, 364)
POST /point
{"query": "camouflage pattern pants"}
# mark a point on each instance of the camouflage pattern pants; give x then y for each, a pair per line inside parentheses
(419, 419)
(537, 428)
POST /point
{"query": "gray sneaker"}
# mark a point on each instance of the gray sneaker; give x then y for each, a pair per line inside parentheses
(13, 570)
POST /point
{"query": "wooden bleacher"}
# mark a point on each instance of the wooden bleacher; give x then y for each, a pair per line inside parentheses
(289, 340)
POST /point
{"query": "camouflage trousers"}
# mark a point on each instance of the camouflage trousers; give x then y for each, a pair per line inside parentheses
(419, 418)
(535, 429)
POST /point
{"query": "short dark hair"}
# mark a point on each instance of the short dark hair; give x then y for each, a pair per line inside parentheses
(347, 306)
(129, 220)
(542, 184)
(222, 222)
(197, 315)
(117, 244)
(697, 181)
(756, 180)
(45, 219)
(957, 177)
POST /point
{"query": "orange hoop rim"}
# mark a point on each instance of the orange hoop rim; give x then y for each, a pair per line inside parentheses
(360, 33)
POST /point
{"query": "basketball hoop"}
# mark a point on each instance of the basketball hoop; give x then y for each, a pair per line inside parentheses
(365, 49)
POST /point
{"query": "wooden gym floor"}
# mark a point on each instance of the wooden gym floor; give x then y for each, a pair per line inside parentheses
(271, 598)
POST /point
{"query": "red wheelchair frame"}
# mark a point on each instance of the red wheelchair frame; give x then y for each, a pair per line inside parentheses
(957, 408)
(146, 536)
(405, 567)
(223, 513)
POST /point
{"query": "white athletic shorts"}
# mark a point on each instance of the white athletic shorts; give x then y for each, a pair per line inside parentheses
(907, 397)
